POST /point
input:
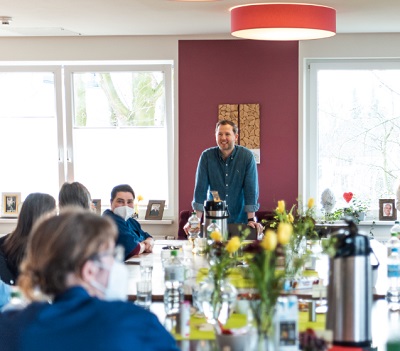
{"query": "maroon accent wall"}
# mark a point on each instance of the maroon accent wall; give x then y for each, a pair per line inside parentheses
(213, 72)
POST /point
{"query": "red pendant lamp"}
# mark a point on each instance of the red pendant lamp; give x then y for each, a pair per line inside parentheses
(283, 21)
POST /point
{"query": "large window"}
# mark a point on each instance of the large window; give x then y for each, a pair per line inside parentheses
(115, 127)
(353, 127)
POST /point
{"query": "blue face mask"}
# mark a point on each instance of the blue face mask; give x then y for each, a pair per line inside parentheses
(124, 212)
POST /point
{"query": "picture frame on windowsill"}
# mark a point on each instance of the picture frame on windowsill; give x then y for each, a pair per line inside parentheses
(10, 206)
(96, 203)
(387, 210)
(155, 210)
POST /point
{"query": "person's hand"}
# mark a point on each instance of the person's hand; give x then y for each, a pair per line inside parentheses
(186, 228)
(258, 226)
(142, 247)
(148, 243)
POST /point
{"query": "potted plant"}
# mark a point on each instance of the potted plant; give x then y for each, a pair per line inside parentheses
(357, 209)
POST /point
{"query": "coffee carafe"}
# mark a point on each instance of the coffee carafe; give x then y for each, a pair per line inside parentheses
(217, 210)
(350, 289)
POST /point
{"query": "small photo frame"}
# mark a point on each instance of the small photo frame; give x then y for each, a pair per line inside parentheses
(387, 210)
(155, 209)
(97, 206)
(11, 203)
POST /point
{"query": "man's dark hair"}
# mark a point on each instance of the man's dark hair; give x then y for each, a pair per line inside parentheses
(125, 188)
(225, 122)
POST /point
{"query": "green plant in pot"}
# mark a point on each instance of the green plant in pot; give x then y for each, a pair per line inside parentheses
(356, 209)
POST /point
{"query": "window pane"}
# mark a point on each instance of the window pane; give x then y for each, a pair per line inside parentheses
(27, 94)
(358, 114)
(28, 131)
(120, 133)
(119, 99)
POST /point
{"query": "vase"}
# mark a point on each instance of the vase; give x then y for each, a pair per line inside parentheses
(218, 298)
(234, 342)
(262, 341)
(263, 331)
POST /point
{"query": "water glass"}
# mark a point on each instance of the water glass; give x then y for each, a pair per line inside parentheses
(146, 270)
(165, 256)
(201, 246)
(143, 294)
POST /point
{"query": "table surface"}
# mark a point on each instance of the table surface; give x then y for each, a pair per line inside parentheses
(380, 316)
(381, 323)
(198, 262)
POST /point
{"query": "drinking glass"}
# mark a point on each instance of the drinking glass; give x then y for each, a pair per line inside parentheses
(201, 246)
(143, 294)
(146, 269)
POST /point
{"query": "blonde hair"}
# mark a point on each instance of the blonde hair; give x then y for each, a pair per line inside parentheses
(61, 245)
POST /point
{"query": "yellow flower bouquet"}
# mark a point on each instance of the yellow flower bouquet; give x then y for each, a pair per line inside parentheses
(217, 295)
(302, 223)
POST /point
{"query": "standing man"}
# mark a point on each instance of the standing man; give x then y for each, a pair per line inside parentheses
(130, 234)
(231, 170)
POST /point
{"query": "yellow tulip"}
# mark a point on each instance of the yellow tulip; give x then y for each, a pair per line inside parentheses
(233, 244)
(310, 203)
(140, 198)
(285, 231)
(281, 206)
(290, 218)
(270, 240)
(216, 236)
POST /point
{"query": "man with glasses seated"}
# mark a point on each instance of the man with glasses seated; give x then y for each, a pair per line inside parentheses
(130, 234)
(70, 261)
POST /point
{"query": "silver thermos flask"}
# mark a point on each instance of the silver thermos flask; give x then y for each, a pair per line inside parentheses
(350, 289)
(217, 210)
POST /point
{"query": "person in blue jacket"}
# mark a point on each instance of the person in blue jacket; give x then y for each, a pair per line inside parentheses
(130, 234)
(5, 292)
(70, 260)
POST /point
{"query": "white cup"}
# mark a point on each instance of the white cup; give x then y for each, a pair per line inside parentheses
(143, 294)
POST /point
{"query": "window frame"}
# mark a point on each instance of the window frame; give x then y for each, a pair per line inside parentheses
(309, 131)
(64, 96)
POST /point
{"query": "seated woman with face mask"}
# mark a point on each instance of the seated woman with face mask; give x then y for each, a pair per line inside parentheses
(70, 260)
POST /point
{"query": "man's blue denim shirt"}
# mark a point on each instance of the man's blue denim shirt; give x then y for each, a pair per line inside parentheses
(235, 179)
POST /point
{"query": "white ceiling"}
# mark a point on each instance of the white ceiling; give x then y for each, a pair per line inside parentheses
(166, 17)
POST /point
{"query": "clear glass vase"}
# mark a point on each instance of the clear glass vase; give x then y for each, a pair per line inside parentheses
(218, 298)
(263, 331)
(263, 342)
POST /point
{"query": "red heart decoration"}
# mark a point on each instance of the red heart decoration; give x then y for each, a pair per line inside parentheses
(348, 196)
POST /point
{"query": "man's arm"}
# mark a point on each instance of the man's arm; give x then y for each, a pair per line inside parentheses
(201, 185)
(250, 187)
(250, 190)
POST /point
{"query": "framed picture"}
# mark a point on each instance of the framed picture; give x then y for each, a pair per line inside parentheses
(387, 210)
(11, 203)
(155, 209)
(97, 206)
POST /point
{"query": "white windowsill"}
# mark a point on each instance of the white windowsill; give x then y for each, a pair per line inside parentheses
(141, 221)
(8, 220)
(156, 222)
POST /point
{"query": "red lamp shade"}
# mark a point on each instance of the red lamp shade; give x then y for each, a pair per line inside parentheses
(283, 21)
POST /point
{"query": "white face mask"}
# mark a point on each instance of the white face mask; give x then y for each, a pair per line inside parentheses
(117, 286)
(124, 212)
